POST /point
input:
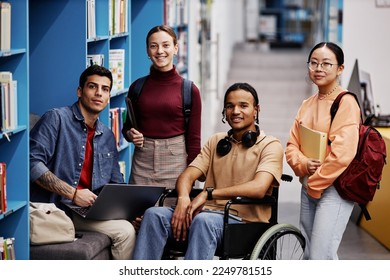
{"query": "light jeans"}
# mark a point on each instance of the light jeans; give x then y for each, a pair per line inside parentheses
(121, 233)
(205, 234)
(323, 222)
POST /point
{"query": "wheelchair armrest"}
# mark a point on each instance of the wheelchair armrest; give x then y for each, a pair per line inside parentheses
(269, 200)
(173, 193)
(245, 200)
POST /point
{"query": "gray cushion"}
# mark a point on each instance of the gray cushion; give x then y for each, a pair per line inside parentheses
(91, 246)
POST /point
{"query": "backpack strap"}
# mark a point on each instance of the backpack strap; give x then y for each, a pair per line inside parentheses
(186, 92)
(335, 107)
(365, 212)
(336, 103)
(139, 83)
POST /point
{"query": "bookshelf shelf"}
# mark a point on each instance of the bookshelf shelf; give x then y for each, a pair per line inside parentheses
(12, 207)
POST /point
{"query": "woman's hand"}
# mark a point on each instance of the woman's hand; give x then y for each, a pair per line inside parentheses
(136, 137)
(312, 165)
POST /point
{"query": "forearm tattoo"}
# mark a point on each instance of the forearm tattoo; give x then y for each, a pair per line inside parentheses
(52, 183)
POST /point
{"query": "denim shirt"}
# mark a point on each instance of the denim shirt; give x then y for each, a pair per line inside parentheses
(57, 143)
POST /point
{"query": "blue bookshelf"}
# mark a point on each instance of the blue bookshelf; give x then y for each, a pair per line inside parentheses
(59, 47)
(14, 143)
(48, 52)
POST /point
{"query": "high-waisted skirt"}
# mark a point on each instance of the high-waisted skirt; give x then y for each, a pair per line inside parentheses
(159, 162)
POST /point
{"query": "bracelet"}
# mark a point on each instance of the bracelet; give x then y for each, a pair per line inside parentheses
(74, 195)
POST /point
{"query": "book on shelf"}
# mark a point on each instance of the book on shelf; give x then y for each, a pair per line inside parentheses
(91, 19)
(116, 120)
(117, 68)
(93, 59)
(7, 248)
(122, 168)
(3, 187)
(5, 26)
(313, 142)
(9, 101)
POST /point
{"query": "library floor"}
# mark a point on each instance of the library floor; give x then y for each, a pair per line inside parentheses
(280, 78)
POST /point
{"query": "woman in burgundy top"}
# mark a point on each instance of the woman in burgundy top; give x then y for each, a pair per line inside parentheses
(164, 145)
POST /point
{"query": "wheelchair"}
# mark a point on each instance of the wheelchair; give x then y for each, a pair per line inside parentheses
(249, 241)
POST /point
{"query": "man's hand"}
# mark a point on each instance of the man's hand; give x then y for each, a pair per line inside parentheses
(178, 222)
(84, 198)
(195, 207)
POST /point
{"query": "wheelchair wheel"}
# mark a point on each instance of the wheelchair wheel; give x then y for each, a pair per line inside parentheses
(280, 242)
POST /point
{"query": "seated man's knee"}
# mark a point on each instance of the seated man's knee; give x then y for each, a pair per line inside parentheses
(201, 220)
(154, 214)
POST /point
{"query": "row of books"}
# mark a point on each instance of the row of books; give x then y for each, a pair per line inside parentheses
(8, 101)
(117, 117)
(176, 12)
(118, 17)
(3, 188)
(5, 26)
(7, 248)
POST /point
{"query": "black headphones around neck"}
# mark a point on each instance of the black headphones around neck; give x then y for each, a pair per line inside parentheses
(248, 139)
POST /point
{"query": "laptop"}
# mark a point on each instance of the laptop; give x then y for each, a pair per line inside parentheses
(120, 201)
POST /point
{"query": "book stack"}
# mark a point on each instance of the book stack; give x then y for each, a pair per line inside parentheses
(7, 248)
(8, 101)
(5, 26)
(3, 188)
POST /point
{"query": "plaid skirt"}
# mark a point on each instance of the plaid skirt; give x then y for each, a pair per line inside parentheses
(159, 162)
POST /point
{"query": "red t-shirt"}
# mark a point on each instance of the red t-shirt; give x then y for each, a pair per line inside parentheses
(87, 169)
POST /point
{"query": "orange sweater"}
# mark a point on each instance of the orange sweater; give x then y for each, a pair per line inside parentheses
(344, 135)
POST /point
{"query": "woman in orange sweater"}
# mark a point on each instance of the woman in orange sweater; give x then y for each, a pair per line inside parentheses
(324, 214)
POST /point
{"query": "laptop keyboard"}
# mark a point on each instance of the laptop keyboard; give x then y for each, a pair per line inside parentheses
(81, 210)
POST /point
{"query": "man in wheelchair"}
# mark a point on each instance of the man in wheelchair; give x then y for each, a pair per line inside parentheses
(243, 163)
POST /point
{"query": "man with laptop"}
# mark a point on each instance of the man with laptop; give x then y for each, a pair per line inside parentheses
(73, 155)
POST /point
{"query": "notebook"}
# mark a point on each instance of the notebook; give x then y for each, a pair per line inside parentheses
(130, 113)
(313, 142)
(120, 201)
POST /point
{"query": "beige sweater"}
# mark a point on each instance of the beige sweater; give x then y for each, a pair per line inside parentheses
(344, 135)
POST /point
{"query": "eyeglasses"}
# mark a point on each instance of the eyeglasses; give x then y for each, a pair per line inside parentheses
(325, 66)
